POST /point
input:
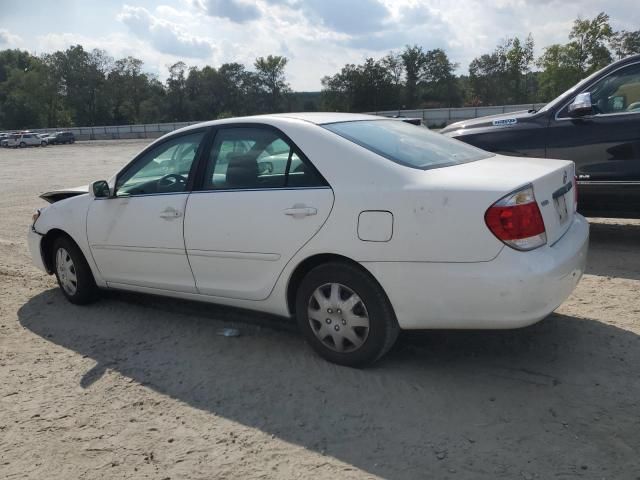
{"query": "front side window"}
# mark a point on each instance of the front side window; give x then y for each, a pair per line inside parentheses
(618, 92)
(164, 169)
(256, 158)
(407, 144)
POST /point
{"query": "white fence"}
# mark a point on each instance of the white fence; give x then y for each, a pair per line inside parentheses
(432, 117)
(436, 117)
(152, 130)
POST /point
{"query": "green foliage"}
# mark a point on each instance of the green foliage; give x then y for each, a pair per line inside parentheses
(588, 50)
(503, 76)
(626, 43)
(78, 87)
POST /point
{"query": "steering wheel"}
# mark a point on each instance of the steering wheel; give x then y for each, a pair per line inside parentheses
(170, 181)
(633, 107)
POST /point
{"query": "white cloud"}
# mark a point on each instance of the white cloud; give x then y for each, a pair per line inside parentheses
(318, 36)
(166, 37)
(238, 11)
(8, 39)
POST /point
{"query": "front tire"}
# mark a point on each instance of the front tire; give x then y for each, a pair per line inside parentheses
(345, 315)
(23, 145)
(73, 272)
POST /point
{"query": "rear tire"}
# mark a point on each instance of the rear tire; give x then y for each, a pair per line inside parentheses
(345, 315)
(73, 272)
(23, 145)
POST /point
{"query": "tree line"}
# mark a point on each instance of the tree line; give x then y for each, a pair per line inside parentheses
(510, 74)
(77, 87)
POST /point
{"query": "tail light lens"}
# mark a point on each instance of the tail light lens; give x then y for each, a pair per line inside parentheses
(516, 220)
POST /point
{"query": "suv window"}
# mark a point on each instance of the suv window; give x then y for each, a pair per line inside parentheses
(256, 158)
(618, 92)
(164, 169)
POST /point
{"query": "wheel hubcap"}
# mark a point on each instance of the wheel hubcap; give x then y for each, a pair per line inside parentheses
(338, 317)
(66, 271)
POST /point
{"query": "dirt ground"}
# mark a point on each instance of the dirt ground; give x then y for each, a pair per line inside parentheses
(142, 387)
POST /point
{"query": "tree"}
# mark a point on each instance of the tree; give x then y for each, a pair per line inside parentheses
(625, 43)
(392, 62)
(589, 40)
(501, 77)
(270, 75)
(128, 87)
(587, 51)
(366, 87)
(439, 80)
(413, 59)
(176, 92)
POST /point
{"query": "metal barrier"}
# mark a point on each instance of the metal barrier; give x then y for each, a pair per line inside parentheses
(117, 132)
(432, 117)
(438, 117)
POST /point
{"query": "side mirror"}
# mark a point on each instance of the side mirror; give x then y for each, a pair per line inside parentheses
(581, 105)
(99, 189)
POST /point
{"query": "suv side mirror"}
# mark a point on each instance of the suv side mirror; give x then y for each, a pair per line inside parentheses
(99, 189)
(581, 105)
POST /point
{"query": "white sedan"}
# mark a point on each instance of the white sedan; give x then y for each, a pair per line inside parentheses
(358, 227)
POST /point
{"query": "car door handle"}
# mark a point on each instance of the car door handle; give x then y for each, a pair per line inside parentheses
(170, 213)
(300, 211)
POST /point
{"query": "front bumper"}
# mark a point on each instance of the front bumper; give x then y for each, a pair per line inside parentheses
(34, 240)
(513, 290)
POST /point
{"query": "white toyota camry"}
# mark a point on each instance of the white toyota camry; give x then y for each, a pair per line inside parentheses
(357, 226)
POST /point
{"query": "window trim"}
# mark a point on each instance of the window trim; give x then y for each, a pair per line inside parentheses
(199, 180)
(586, 88)
(192, 172)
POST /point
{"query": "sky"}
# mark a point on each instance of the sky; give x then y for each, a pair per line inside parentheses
(317, 36)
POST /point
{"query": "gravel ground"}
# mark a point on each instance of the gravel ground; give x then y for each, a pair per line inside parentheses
(142, 387)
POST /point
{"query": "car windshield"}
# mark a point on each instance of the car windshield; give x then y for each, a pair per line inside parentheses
(407, 144)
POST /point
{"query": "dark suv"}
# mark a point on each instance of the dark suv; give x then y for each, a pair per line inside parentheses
(61, 137)
(596, 124)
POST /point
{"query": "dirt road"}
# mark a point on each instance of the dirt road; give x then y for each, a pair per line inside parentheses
(140, 387)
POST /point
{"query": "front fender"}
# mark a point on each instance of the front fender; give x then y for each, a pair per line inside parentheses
(70, 216)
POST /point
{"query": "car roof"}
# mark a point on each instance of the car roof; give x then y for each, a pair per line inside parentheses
(317, 118)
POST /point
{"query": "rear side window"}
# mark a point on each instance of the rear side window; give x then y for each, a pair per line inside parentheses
(406, 144)
(256, 158)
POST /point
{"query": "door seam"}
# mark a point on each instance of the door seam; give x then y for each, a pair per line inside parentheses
(184, 242)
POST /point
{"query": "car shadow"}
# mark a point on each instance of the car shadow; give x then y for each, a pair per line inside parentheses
(614, 250)
(557, 398)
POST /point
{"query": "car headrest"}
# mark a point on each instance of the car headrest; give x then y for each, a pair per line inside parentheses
(242, 170)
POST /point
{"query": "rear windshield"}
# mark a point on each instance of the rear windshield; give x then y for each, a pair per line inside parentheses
(407, 144)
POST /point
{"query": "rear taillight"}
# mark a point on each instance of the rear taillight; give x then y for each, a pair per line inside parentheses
(516, 220)
(575, 194)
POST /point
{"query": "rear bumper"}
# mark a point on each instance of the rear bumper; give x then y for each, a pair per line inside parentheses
(514, 290)
(34, 240)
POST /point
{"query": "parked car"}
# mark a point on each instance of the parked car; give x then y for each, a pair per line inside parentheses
(373, 226)
(27, 139)
(61, 138)
(4, 141)
(596, 124)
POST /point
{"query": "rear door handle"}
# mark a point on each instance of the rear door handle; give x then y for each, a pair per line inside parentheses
(170, 213)
(300, 211)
